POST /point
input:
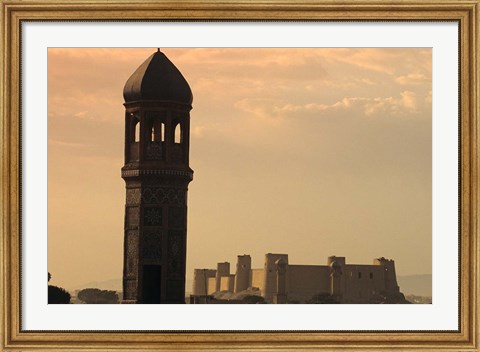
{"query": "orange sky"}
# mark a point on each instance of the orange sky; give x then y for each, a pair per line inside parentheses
(310, 152)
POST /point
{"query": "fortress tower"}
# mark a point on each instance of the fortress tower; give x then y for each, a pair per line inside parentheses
(242, 276)
(270, 283)
(158, 101)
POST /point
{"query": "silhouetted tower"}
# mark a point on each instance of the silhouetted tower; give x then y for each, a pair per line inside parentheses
(158, 101)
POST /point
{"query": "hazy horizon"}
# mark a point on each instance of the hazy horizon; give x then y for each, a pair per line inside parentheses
(308, 152)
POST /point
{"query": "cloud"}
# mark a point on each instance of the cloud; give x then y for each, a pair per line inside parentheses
(63, 144)
(404, 105)
(412, 78)
(270, 109)
(408, 100)
(250, 57)
(202, 131)
(74, 105)
(83, 115)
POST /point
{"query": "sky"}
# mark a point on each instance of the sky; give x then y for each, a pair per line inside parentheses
(311, 152)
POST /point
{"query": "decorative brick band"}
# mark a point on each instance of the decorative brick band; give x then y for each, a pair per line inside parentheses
(136, 173)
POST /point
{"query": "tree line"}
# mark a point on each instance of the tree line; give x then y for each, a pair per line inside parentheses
(58, 295)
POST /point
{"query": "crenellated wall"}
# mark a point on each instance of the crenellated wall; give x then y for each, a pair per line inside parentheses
(280, 282)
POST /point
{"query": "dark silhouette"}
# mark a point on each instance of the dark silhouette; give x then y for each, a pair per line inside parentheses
(96, 296)
(158, 101)
(57, 295)
(322, 298)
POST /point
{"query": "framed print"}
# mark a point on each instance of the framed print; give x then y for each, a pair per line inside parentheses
(302, 175)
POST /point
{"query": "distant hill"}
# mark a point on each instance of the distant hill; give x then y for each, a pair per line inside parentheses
(419, 285)
(116, 285)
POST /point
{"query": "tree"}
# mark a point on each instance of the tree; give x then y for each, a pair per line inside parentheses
(58, 295)
(96, 296)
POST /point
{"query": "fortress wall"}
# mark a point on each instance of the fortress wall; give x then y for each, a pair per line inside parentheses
(339, 260)
(227, 283)
(388, 266)
(257, 276)
(305, 281)
(352, 283)
(212, 285)
(223, 269)
(200, 281)
(363, 282)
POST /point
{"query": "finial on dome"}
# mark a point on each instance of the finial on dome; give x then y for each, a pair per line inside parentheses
(158, 50)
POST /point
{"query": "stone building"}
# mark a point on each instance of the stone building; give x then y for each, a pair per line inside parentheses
(158, 101)
(281, 282)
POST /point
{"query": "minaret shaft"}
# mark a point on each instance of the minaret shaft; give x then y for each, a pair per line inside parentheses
(156, 174)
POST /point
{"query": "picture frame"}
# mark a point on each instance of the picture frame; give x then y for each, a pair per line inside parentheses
(14, 13)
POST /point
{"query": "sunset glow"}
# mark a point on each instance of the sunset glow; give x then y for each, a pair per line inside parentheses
(309, 152)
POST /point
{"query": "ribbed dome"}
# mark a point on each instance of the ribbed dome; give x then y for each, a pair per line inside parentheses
(157, 79)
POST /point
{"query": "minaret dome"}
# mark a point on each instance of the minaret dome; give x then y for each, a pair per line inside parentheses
(157, 79)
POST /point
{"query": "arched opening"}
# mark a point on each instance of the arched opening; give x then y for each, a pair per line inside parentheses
(134, 138)
(178, 133)
(137, 131)
(155, 149)
(178, 153)
(157, 133)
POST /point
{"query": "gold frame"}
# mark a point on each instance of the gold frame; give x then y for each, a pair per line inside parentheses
(464, 12)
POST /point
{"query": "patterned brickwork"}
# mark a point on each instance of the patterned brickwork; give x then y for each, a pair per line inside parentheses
(152, 216)
(152, 246)
(130, 290)
(175, 247)
(154, 151)
(163, 195)
(132, 254)
(176, 217)
(132, 217)
(175, 290)
(133, 196)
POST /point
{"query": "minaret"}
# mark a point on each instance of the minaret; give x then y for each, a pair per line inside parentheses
(158, 101)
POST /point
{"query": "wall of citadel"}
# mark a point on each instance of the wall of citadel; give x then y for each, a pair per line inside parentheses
(363, 282)
(257, 278)
(349, 283)
(227, 283)
(305, 281)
